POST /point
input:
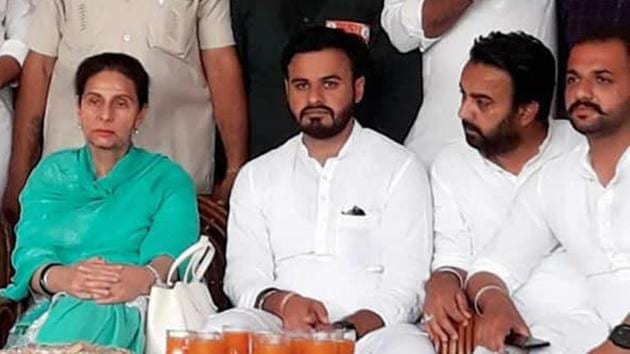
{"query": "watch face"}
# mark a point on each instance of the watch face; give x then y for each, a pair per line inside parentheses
(621, 336)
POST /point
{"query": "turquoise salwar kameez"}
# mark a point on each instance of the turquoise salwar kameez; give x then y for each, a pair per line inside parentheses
(144, 208)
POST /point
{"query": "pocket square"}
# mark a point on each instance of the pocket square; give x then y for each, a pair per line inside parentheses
(355, 210)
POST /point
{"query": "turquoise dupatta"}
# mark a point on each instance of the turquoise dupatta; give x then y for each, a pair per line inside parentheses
(145, 207)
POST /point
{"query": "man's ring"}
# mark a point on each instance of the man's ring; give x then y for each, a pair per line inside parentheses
(428, 318)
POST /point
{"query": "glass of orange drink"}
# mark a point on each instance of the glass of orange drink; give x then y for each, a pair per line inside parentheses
(323, 342)
(345, 341)
(270, 343)
(206, 343)
(237, 340)
(177, 341)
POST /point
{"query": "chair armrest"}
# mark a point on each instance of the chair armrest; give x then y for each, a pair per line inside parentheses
(8, 315)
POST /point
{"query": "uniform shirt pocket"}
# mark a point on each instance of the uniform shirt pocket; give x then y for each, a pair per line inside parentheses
(173, 25)
(84, 24)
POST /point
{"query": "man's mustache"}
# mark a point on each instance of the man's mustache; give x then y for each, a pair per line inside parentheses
(470, 126)
(588, 104)
(308, 109)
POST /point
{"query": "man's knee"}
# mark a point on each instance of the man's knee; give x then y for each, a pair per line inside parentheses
(248, 319)
(396, 339)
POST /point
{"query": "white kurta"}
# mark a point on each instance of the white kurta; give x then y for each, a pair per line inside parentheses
(14, 16)
(472, 198)
(565, 204)
(443, 58)
(291, 227)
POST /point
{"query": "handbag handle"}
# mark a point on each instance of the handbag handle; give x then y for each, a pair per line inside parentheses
(200, 255)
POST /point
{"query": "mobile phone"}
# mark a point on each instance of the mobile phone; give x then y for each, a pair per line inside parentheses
(525, 342)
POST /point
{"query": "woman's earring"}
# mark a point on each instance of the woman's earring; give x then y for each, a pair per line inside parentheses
(136, 131)
(79, 125)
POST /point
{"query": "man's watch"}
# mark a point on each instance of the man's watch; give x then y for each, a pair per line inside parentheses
(620, 336)
(343, 324)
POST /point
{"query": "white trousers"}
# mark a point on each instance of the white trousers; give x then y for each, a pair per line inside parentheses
(575, 333)
(395, 339)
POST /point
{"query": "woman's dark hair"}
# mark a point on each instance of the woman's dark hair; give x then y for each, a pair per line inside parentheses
(314, 39)
(129, 66)
(528, 62)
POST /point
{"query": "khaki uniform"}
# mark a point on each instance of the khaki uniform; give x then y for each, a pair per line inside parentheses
(166, 36)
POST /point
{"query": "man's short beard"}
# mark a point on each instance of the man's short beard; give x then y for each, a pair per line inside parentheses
(317, 130)
(500, 140)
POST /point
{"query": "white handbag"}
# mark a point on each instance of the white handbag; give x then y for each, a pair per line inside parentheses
(185, 304)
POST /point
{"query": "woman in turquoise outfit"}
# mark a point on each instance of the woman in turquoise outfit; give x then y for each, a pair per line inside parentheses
(100, 224)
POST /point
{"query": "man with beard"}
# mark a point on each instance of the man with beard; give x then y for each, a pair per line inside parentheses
(506, 86)
(579, 201)
(333, 228)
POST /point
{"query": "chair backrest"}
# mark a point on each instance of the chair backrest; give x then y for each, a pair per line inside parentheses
(9, 311)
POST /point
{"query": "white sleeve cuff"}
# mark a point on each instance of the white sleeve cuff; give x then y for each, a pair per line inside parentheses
(15, 49)
(511, 280)
(412, 20)
(450, 261)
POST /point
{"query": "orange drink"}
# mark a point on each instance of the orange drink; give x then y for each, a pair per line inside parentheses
(237, 340)
(345, 347)
(298, 341)
(177, 341)
(321, 343)
(270, 343)
(345, 341)
(206, 343)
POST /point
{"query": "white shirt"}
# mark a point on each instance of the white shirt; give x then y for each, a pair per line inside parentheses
(443, 58)
(289, 228)
(473, 196)
(565, 204)
(14, 16)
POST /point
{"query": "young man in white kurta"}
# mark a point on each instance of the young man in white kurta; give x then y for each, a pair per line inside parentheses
(473, 191)
(444, 50)
(352, 234)
(579, 201)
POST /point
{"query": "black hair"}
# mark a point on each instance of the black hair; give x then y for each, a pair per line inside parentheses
(606, 33)
(528, 62)
(128, 66)
(314, 39)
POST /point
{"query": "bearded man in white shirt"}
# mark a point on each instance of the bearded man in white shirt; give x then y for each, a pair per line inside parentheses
(507, 87)
(579, 201)
(443, 30)
(333, 228)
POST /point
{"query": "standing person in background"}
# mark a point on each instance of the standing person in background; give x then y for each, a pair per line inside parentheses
(443, 30)
(13, 26)
(261, 29)
(187, 48)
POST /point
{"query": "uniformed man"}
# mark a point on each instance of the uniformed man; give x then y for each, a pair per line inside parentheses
(188, 50)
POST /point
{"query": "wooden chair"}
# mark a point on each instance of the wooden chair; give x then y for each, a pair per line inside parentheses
(213, 223)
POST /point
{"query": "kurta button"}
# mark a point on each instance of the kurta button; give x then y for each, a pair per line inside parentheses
(126, 37)
(306, 19)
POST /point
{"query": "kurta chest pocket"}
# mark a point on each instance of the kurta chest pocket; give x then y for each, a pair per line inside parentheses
(357, 240)
(172, 27)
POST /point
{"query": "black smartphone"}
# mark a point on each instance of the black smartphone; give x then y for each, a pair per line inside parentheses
(525, 342)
